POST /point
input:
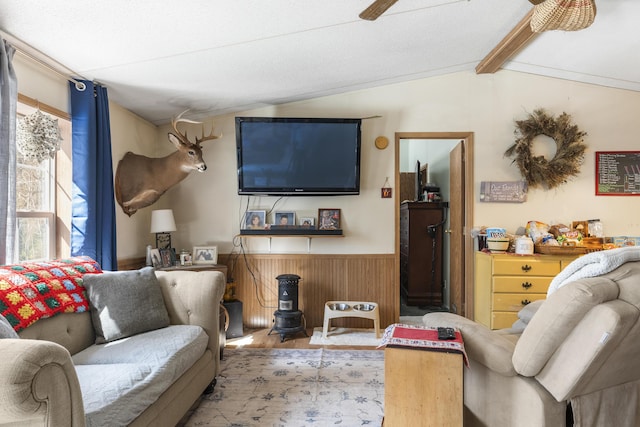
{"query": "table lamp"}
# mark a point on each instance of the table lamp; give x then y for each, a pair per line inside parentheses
(162, 223)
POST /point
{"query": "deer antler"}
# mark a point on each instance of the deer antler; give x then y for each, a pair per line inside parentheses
(183, 136)
(208, 137)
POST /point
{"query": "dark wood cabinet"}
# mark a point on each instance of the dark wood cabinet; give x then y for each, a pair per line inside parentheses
(421, 242)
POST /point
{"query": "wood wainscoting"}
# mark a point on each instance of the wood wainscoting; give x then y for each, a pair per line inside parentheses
(323, 278)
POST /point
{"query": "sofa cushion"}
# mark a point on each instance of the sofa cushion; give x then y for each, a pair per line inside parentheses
(120, 379)
(556, 318)
(6, 330)
(125, 303)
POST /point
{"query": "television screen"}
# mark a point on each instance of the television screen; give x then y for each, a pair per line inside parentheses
(298, 156)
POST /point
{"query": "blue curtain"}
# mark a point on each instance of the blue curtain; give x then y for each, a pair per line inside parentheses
(8, 105)
(93, 214)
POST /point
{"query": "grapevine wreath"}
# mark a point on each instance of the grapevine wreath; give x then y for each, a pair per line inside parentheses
(537, 170)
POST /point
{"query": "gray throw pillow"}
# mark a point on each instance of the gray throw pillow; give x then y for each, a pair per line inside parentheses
(125, 303)
(527, 312)
(6, 330)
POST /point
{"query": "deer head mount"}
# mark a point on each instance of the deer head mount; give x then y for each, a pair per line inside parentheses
(141, 180)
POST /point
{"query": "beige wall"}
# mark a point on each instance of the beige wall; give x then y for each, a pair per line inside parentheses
(484, 104)
(128, 133)
(208, 210)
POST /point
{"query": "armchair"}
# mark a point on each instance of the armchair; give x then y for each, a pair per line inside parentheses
(580, 347)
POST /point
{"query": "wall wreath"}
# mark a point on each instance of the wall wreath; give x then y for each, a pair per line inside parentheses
(537, 170)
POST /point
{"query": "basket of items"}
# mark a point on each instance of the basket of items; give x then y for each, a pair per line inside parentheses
(560, 239)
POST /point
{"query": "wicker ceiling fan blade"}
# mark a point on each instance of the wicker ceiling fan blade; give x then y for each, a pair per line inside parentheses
(377, 8)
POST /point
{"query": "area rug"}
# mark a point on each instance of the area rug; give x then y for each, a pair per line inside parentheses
(289, 387)
(345, 336)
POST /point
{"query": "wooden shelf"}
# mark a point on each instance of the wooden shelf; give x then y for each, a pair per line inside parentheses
(307, 236)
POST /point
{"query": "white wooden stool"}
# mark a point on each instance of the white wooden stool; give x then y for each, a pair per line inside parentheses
(363, 309)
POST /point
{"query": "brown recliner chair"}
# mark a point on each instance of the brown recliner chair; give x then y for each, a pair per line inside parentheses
(581, 346)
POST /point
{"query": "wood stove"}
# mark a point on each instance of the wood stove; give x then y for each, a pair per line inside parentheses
(288, 320)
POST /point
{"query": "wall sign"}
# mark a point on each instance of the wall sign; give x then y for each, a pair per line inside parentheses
(503, 191)
(618, 173)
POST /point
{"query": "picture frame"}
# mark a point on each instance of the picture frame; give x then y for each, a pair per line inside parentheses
(156, 260)
(254, 220)
(285, 218)
(167, 257)
(307, 221)
(205, 255)
(329, 219)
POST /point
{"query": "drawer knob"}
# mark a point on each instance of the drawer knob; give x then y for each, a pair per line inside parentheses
(525, 302)
(526, 285)
(526, 268)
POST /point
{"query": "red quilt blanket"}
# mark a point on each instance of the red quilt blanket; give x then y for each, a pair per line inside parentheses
(36, 290)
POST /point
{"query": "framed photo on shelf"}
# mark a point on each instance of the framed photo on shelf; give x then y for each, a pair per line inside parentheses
(255, 220)
(168, 257)
(285, 218)
(205, 255)
(307, 222)
(328, 219)
(156, 260)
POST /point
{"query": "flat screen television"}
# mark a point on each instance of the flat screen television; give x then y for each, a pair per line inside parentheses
(298, 156)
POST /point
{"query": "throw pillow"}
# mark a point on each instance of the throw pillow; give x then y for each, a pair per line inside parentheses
(125, 303)
(6, 330)
(527, 312)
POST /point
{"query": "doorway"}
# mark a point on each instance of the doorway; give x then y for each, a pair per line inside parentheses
(457, 170)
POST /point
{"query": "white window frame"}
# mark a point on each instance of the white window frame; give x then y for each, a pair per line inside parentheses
(26, 106)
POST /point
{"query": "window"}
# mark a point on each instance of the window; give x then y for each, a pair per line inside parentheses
(43, 195)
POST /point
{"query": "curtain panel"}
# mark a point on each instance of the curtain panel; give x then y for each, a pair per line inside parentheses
(93, 220)
(8, 114)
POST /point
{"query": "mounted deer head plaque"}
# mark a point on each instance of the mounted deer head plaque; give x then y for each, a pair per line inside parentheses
(141, 180)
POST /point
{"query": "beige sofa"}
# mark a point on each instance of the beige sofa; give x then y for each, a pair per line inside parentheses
(580, 346)
(38, 381)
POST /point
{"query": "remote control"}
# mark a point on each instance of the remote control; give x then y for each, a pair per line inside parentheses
(446, 333)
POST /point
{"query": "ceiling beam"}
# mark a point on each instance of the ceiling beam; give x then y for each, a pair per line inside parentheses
(508, 46)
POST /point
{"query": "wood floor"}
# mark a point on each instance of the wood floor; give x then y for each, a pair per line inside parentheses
(260, 338)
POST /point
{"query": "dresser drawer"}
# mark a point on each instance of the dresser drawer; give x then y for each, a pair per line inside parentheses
(514, 302)
(517, 266)
(526, 284)
(503, 319)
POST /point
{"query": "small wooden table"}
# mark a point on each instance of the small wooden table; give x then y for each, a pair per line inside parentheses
(422, 378)
(422, 388)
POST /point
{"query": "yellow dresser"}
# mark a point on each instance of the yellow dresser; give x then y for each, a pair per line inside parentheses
(504, 283)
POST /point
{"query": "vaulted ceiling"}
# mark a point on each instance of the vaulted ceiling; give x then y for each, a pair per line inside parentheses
(158, 58)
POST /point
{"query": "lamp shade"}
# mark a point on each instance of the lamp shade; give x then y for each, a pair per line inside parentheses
(162, 221)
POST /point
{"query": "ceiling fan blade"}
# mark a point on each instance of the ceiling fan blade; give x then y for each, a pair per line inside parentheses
(377, 8)
(534, 2)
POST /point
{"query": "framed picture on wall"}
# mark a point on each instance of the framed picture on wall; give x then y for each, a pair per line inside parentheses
(205, 255)
(328, 219)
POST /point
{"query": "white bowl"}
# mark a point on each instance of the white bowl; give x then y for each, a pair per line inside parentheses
(498, 245)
